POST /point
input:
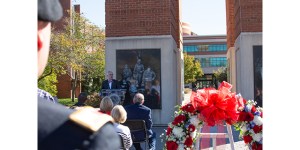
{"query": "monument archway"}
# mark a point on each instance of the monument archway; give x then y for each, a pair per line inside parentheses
(146, 36)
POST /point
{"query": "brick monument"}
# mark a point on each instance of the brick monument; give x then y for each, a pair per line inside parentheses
(148, 31)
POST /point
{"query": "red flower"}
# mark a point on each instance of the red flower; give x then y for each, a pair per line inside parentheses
(171, 145)
(245, 116)
(247, 138)
(245, 101)
(191, 128)
(179, 119)
(257, 128)
(253, 109)
(188, 141)
(169, 130)
(256, 146)
(188, 108)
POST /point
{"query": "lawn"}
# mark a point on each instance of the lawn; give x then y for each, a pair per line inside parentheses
(67, 101)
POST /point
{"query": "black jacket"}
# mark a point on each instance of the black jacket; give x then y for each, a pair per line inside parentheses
(57, 132)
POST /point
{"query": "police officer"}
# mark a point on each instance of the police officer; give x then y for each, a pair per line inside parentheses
(60, 128)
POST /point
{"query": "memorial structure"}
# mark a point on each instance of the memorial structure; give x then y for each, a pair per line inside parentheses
(147, 34)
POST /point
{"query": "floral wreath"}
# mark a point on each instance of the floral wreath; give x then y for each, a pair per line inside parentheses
(211, 107)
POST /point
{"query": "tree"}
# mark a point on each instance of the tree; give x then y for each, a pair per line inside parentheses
(77, 50)
(192, 69)
(48, 83)
(221, 74)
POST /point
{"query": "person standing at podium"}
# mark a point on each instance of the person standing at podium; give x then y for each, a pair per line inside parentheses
(110, 83)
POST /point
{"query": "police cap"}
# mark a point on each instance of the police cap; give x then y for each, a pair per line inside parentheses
(49, 10)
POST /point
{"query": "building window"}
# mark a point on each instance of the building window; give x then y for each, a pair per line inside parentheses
(205, 48)
(213, 62)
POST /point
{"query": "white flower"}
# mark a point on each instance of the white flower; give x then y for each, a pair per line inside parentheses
(248, 108)
(193, 134)
(194, 120)
(244, 128)
(180, 147)
(257, 137)
(178, 131)
(258, 120)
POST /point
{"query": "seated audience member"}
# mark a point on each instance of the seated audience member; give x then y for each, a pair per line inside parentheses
(82, 97)
(106, 105)
(115, 99)
(119, 115)
(139, 111)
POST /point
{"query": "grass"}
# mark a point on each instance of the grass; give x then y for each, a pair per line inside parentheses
(67, 101)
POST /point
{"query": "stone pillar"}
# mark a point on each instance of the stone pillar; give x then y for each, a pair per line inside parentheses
(148, 24)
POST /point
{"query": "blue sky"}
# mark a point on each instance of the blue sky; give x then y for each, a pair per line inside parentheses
(206, 17)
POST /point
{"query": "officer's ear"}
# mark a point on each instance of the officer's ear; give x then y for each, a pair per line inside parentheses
(39, 43)
(40, 40)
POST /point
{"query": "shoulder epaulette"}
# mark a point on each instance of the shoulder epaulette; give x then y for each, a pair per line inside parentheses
(89, 118)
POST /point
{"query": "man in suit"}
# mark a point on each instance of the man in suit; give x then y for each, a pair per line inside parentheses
(139, 111)
(60, 128)
(109, 84)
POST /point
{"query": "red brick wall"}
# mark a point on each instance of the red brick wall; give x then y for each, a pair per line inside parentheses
(248, 16)
(77, 8)
(64, 87)
(64, 81)
(66, 5)
(230, 23)
(142, 18)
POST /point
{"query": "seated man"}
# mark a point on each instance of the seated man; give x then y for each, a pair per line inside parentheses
(82, 97)
(139, 111)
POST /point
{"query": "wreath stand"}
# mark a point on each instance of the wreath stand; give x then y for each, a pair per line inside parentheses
(214, 136)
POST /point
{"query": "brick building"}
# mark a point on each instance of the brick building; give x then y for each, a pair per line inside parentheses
(64, 81)
(244, 42)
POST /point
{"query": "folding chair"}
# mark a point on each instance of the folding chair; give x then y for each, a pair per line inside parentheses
(138, 131)
(122, 143)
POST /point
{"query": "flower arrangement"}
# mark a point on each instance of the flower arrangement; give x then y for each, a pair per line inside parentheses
(250, 124)
(182, 132)
(210, 106)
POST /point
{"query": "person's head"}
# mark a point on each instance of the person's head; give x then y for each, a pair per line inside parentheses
(110, 75)
(138, 98)
(156, 82)
(48, 11)
(139, 61)
(82, 97)
(126, 66)
(106, 104)
(115, 99)
(119, 114)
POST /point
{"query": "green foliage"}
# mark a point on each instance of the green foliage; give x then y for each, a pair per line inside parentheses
(192, 69)
(67, 102)
(79, 50)
(221, 74)
(48, 83)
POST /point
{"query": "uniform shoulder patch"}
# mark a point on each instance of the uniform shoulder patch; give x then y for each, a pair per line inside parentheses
(89, 118)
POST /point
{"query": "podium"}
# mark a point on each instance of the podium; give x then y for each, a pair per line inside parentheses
(119, 92)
